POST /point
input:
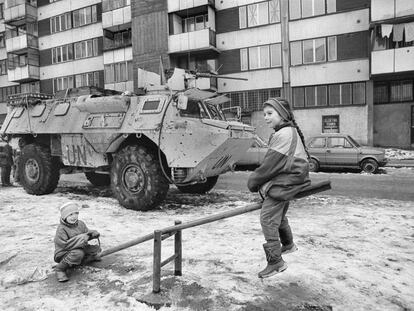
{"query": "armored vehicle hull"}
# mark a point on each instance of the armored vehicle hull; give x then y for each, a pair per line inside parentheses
(138, 144)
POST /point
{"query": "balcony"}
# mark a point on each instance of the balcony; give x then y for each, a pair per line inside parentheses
(25, 73)
(20, 44)
(392, 61)
(19, 12)
(113, 19)
(200, 42)
(391, 9)
(179, 5)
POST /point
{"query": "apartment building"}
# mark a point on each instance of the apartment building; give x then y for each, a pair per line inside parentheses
(345, 65)
(392, 71)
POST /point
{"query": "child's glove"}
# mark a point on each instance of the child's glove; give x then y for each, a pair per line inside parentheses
(93, 234)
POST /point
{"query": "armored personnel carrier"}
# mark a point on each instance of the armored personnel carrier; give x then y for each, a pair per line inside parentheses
(137, 144)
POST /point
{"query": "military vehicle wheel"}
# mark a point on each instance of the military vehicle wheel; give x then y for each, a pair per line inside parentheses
(200, 188)
(369, 166)
(313, 165)
(38, 170)
(137, 180)
(98, 179)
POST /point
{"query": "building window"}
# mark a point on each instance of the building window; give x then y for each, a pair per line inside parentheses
(393, 91)
(62, 83)
(85, 16)
(242, 17)
(258, 14)
(1, 10)
(401, 91)
(195, 23)
(60, 23)
(244, 61)
(87, 79)
(87, 48)
(313, 7)
(62, 54)
(251, 100)
(114, 40)
(3, 67)
(118, 72)
(314, 51)
(259, 57)
(332, 46)
(307, 8)
(5, 92)
(344, 94)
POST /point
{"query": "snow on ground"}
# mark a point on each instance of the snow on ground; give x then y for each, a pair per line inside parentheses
(399, 154)
(354, 254)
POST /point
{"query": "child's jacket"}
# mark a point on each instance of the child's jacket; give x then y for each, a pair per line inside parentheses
(285, 168)
(68, 238)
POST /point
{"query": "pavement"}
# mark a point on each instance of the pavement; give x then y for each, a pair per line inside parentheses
(400, 163)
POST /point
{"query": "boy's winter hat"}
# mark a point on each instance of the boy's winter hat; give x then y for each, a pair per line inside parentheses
(67, 209)
(277, 105)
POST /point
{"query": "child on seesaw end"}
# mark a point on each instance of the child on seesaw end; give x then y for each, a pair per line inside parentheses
(283, 173)
(71, 241)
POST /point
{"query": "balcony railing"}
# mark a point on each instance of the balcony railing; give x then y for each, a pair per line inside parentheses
(116, 17)
(179, 5)
(390, 9)
(391, 61)
(21, 43)
(199, 40)
(24, 73)
(19, 12)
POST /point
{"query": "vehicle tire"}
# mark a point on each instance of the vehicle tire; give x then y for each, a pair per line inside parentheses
(313, 165)
(369, 166)
(200, 188)
(137, 180)
(38, 170)
(98, 179)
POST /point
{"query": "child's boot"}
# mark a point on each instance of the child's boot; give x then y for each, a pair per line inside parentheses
(275, 263)
(61, 272)
(286, 249)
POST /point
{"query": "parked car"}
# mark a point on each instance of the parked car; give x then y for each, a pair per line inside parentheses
(342, 151)
(254, 155)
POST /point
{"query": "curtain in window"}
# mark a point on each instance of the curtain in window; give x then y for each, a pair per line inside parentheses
(308, 51)
(334, 95)
(320, 50)
(254, 58)
(275, 55)
(243, 60)
(401, 91)
(274, 11)
(380, 93)
(252, 15)
(321, 98)
(264, 57)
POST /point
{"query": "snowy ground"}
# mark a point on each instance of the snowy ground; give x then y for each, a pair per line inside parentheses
(354, 254)
(399, 154)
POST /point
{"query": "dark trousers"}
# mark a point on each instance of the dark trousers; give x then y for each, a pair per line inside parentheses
(77, 256)
(275, 225)
(5, 175)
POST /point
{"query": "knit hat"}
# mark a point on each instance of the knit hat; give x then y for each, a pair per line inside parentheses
(278, 106)
(67, 209)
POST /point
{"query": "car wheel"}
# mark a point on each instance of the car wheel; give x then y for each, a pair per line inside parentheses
(369, 166)
(313, 165)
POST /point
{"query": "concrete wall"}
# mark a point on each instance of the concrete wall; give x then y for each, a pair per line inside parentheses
(392, 125)
(352, 121)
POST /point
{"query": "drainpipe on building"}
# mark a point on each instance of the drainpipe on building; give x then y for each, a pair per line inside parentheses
(284, 23)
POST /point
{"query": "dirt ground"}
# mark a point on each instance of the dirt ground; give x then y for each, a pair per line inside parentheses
(354, 254)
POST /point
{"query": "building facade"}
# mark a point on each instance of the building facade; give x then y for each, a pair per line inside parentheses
(345, 65)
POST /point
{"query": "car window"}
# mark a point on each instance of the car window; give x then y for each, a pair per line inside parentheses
(318, 142)
(338, 142)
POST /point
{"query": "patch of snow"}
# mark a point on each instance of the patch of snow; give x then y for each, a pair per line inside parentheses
(399, 154)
